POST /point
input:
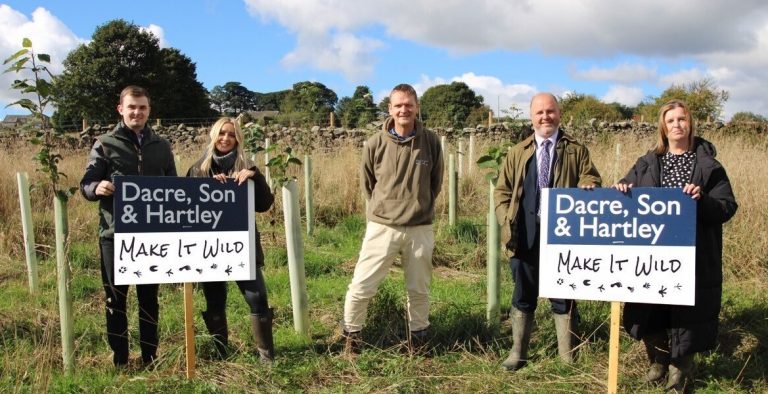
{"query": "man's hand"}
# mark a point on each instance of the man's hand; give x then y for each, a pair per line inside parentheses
(622, 187)
(105, 188)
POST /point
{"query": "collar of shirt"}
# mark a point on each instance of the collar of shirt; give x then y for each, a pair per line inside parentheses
(400, 137)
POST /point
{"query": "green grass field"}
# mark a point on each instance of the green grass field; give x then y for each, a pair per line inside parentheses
(464, 354)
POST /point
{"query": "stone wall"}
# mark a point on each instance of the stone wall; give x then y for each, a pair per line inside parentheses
(187, 137)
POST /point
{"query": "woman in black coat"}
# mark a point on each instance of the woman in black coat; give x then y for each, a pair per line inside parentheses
(673, 333)
(224, 160)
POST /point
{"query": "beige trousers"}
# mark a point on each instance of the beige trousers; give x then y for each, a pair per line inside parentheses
(381, 245)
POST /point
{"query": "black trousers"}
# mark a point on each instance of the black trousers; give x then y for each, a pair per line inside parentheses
(116, 305)
(525, 273)
(254, 292)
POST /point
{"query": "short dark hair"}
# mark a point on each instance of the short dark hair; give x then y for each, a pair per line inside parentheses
(135, 91)
(407, 89)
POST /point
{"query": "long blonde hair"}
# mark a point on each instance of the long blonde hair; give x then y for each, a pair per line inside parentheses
(240, 161)
(662, 143)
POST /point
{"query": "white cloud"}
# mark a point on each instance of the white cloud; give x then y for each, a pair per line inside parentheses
(343, 52)
(496, 94)
(584, 28)
(742, 74)
(624, 73)
(625, 95)
(715, 33)
(158, 32)
(682, 77)
(48, 34)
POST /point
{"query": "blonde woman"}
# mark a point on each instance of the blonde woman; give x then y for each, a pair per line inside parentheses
(225, 161)
(672, 334)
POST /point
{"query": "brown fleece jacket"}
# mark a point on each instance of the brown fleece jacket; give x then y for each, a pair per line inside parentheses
(401, 179)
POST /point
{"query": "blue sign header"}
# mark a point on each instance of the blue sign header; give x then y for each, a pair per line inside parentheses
(144, 204)
(644, 216)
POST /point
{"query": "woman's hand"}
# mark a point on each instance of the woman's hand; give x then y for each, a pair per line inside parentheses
(221, 178)
(693, 190)
(244, 175)
(622, 187)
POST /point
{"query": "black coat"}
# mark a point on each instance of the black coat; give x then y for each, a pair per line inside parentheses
(118, 153)
(691, 328)
(263, 197)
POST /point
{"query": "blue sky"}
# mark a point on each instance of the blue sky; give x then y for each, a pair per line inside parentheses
(506, 50)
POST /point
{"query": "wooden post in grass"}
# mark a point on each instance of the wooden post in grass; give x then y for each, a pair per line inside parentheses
(295, 248)
(64, 280)
(613, 348)
(28, 230)
(616, 164)
(266, 162)
(493, 314)
(189, 330)
(452, 190)
(309, 204)
(490, 120)
(471, 160)
(613, 343)
(460, 158)
(443, 140)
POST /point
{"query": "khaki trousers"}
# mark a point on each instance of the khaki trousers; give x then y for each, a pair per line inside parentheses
(381, 245)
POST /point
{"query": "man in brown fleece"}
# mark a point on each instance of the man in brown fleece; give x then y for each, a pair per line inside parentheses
(402, 171)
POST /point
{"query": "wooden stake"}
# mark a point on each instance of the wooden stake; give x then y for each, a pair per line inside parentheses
(189, 330)
(613, 348)
(490, 120)
(452, 189)
(308, 203)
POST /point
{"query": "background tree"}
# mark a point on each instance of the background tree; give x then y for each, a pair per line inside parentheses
(358, 110)
(311, 101)
(121, 54)
(449, 105)
(384, 107)
(703, 97)
(583, 107)
(270, 101)
(233, 98)
(478, 116)
(218, 98)
(625, 112)
(180, 76)
(747, 117)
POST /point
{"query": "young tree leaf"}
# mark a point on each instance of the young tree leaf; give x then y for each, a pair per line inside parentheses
(15, 55)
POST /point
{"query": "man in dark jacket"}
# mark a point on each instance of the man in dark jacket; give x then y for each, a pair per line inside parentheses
(548, 158)
(132, 148)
